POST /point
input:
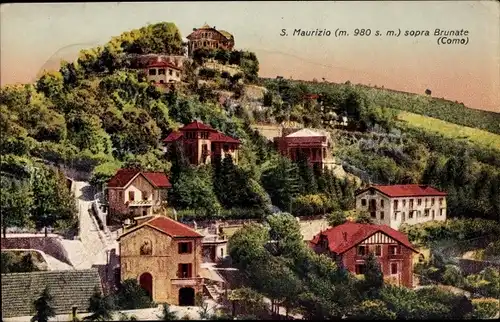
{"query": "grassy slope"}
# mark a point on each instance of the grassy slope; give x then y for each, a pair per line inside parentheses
(475, 136)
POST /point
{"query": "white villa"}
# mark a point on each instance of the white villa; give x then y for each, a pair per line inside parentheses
(397, 204)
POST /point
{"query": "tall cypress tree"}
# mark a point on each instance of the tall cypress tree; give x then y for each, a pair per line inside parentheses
(374, 278)
(43, 307)
(309, 185)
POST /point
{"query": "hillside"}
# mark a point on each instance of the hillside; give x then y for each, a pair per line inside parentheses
(98, 114)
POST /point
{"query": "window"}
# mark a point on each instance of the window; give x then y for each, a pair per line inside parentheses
(360, 268)
(170, 72)
(185, 271)
(131, 195)
(394, 268)
(394, 249)
(403, 216)
(432, 201)
(161, 71)
(361, 250)
(381, 202)
(382, 215)
(222, 253)
(378, 250)
(152, 72)
(426, 212)
(410, 215)
(441, 212)
(440, 201)
(373, 214)
(177, 74)
(185, 248)
(145, 195)
(144, 212)
(120, 195)
(411, 203)
(419, 202)
(404, 202)
(395, 204)
(395, 216)
(161, 81)
(363, 202)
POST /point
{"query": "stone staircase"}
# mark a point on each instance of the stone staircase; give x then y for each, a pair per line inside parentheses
(214, 291)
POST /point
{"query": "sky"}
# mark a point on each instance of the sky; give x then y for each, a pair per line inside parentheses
(37, 36)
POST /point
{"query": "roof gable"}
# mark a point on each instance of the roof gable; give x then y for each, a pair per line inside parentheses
(305, 133)
(346, 236)
(167, 226)
(124, 177)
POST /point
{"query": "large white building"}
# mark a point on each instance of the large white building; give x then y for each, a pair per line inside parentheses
(397, 204)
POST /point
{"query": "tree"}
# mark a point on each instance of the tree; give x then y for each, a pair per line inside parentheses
(167, 314)
(16, 203)
(308, 184)
(284, 233)
(372, 310)
(362, 217)
(374, 278)
(336, 218)
(281, 181)
(43, 307)
(100, 306)
(131, 296)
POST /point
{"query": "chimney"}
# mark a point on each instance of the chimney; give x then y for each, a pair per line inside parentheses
(345, 236)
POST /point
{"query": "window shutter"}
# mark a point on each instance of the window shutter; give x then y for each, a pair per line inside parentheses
(179, 270)
(190, 270)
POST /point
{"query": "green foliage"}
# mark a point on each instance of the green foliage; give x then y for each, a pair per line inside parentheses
(16, 203)
(281, 182)
(362, 217)
(312, 204)
(372, 310)
(336, 218)
(493, 249)
(43, 307)
(103, 172)
(485, 308)
(374, 278)
(132, 296)
(18, 263)
(100, 307)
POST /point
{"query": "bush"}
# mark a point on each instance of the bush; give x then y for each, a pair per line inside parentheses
(336, 218)
(313, 204)
(372, 310)
(485, 308)
(132, 296)
(208, 73)
(493, 249)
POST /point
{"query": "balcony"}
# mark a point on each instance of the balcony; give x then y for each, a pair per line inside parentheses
(190, 281)
(143, 203)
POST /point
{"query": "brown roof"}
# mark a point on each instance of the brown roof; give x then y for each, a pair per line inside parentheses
(406, 190)
(163, 64)
(123, 177)
(167, 226)
(343, 237)
(197, 125)
(68, 288)
(215, 136)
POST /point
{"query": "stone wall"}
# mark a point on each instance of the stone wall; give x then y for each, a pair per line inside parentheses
(471, 266)
(50, 245)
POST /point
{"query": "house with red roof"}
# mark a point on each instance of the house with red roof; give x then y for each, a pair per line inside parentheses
(201, 143)
(314, 145)
(164, 256)
(132, 192)
(350, 243)
(208, 37)
(162, 72)
(393, 205)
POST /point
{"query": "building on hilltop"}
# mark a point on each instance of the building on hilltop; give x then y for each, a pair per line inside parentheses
(132, 192)
(209, 38)
(164, 256)
(314, 145)
(394, 205)
(162, 72)
(350, 243)
(201, 143)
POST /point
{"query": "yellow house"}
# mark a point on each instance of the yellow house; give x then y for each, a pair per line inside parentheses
(164, 256)
(132, 193)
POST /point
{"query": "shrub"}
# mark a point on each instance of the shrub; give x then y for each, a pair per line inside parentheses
(493, 249)
(373, 310)
(336, 218)
(313, 204)
(485, 308)
(208, 73)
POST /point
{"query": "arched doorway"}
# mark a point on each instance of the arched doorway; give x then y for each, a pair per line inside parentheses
(186, 296)
(146, 282)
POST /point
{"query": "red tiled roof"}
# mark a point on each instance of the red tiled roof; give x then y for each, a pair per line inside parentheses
(122, 177)
(172, 228)
(173, 136)
(197, 125)
(407, 190)
(215, 136)
(165, 225)
(162, 64)
(158, 179)
(356, 233)
(221, 137)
